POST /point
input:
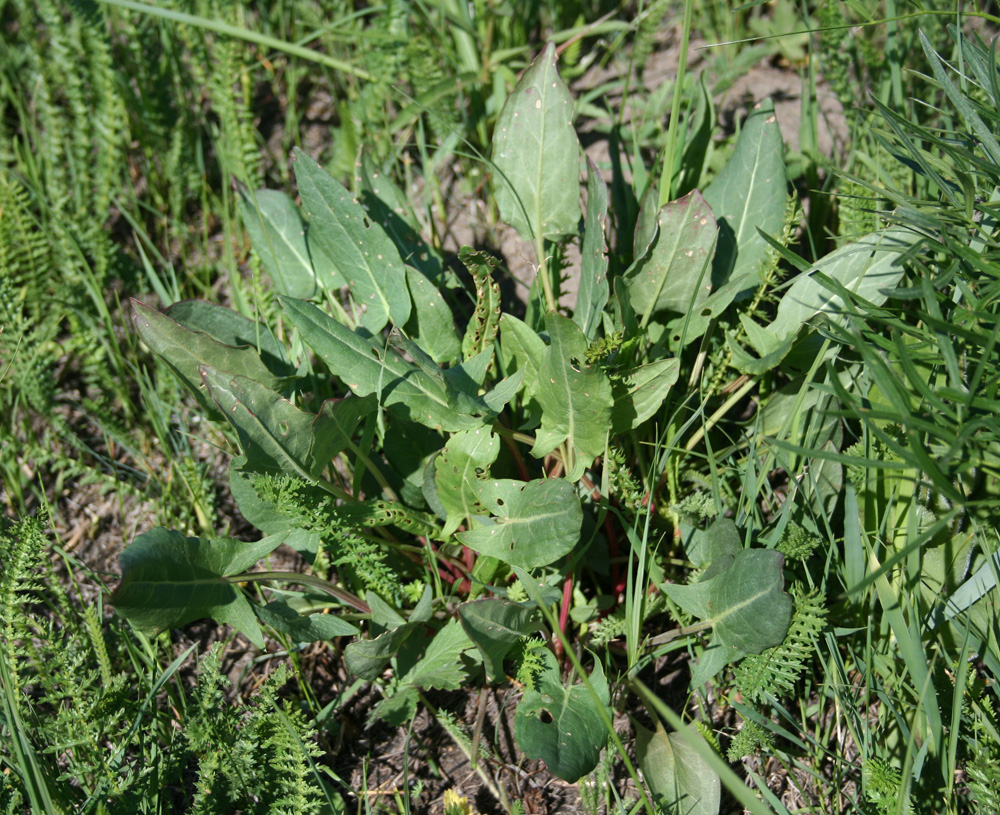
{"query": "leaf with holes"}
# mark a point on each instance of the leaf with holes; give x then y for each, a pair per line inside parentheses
(575, 397)
(364, 256)
(564, 726)
(536, 154)
(534, 523)
(463, 463)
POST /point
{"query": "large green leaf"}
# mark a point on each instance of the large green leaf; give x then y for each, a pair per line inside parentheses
(431, 324)
(593, 293)
(184, 350)
(639, 392)
(536, 155)
(865, 267)
(278, 235)
(169, 580)
(575, 397)
(495, 625)
(680, 780)
(535, 523)
(744, 602)
(675, 273)
(232, 328)
(563, 726)
(367, 367)
(388, 205)
(463, 463)
(275, 435)
(364, 255)
(749, 194)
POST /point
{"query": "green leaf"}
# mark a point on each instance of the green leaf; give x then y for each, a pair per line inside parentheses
(388, 206)
(563, 726)
(536, 155)
(309, 628)
(865, 267)
(232, 328)
(536, 522)
(363, 254)
(521, 349)
(575, 397)
(366, 368)
(639, 393)
(744, 603)
(463, 463)
(275, 435)
(169, 580)
(431, 324)
(278, 235)
(593, 293)
(675, 273)
(771, 349)
(184, 350)
(748, 197)
(367, 659)
(495, 625)
(680, 780)
(441, 665)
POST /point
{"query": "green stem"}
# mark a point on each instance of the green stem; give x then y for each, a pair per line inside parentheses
(699, 434)
(304, 580)
(543, 272)
(667, 173)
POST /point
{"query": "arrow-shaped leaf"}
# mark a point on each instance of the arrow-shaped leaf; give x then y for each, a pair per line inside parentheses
(575, 397)
(168, 580)
(495, 625)
(536, 522)
(184, 350)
